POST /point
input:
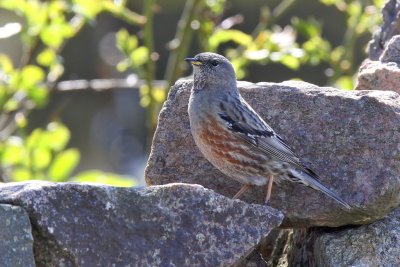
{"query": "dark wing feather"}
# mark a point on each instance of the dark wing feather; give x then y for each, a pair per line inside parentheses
(244, 122)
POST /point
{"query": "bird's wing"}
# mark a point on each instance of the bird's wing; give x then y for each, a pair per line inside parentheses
(244, 122)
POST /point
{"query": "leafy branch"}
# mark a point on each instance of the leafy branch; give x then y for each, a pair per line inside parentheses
(47, 27)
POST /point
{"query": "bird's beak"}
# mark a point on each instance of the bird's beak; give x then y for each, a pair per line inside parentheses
(194, 61)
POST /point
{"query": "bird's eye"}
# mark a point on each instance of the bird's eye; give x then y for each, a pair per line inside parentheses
(214, 62)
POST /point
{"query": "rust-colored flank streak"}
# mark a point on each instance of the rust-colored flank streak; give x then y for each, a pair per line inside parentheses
(224, 143)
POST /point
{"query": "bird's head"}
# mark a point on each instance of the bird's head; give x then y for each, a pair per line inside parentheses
(212, 69)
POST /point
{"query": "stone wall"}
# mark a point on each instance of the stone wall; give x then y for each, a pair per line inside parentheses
(350, 138)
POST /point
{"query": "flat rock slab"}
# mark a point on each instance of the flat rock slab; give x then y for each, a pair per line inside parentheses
(171, 225)
(350, 138)
(16, 241)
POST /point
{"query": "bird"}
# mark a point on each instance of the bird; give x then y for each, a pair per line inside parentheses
(234, 138)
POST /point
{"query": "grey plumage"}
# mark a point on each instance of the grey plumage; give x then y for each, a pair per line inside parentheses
(234, 138)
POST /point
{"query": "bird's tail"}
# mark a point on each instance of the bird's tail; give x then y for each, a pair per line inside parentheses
(310, 179)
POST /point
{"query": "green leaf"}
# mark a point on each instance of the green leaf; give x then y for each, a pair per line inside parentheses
(216, 6)
(13, 5)
(290, 62)
(98, 177)
(3, 94)
(56, 137)
(63, 164)
(139, 56)
(57, 8)
(126, 43)
(120, 37)
(145, 101)
(13, 151)
(11, 105)
(159, 94)
(144, 90)
(145, 98)
(39, 95)
(36, 16)
(41, 158)
(34, 139)
(54, 34)
(47, 57)
(329, 2)
(21, 174)
(354, 8)
(87, 8)
(123, 65)
(14, 80)
(51, 36)
(316, 49)
(223, 36)
(6, 65)
(239, 64)
(308, 28)
(31, 75)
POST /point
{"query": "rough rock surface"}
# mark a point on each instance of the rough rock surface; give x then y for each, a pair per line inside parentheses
(392, 51)
(172, 225)
(377, 244)
(382, 70)
(375, 75)
(16, 241)
(389, 28)
(350, 137)
(383, 74)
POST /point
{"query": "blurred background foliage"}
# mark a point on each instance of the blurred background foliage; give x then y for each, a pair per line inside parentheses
(46, 44)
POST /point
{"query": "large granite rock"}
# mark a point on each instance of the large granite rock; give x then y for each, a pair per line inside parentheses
(377, 244)
(16, 241)
(173, 225)
(350, 138)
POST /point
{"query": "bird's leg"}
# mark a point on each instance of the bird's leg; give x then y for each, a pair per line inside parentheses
(241, 191)
(269, 188)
